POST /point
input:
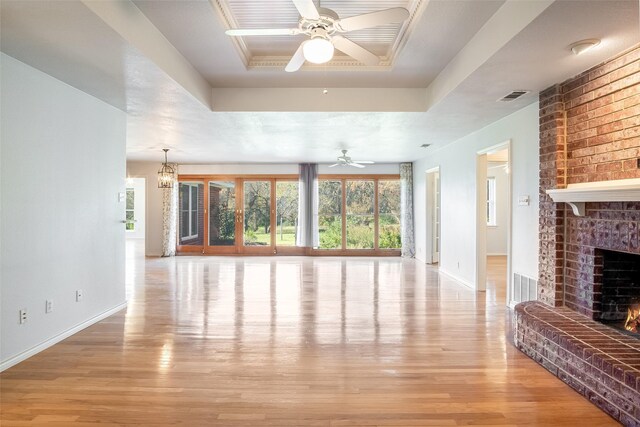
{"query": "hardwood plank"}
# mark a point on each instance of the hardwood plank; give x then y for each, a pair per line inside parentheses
(291, 341)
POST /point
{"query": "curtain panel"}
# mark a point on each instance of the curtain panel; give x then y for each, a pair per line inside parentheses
(170, 216)
(307, 232)
(406, 210)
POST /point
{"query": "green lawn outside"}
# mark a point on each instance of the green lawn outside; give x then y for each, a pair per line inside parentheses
(288, 237)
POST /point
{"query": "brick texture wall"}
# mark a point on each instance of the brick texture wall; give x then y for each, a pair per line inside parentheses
(589, 131)
(552, 175)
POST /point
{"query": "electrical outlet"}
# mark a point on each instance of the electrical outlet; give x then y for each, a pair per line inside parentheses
(22, 315)
(48, 306)
(79, 295)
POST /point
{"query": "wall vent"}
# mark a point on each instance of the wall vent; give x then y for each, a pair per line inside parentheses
(524, 288)
(513, 95)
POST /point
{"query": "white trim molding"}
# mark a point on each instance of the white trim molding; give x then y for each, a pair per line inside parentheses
(6, 364)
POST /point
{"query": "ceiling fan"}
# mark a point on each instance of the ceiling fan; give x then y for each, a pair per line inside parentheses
(323, 26)
(345, 160)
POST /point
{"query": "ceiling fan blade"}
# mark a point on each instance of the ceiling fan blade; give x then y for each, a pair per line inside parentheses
(297, 60)
(373, 19)
(263, 32)
(364, 162)
(307, 9)
(356, 165)
(355, 50)
(335, 164)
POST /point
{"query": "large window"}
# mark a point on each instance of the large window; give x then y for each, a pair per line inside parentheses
(189, 202)
(389, 215)
(491, 201)
(286, 212)
(330, 214)
(367, 208)
(360, 214)
(129, 212)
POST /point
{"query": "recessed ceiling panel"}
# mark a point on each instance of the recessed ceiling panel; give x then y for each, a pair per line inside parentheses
(274, 51)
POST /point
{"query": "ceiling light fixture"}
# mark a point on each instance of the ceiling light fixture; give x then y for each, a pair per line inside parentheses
(166, 174)
(583, 46)
(319, 49)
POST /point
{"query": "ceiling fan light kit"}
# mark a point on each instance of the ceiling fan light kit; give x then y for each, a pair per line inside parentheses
(321, 25)
(319, 49)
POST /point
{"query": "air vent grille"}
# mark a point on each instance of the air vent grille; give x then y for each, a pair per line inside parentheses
(513, 95)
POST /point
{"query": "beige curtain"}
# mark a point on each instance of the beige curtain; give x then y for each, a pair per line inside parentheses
(406, 210)
(170, 216)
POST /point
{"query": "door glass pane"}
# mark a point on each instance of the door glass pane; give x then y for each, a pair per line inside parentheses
(222, 210)
(389, 215)
(191, 215)
(286, 212)
(130, 209)
(130, 198)
(360, 215)
(257, 213)
(330, 214)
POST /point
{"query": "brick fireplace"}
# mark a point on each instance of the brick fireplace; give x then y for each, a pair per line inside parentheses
(589, 132)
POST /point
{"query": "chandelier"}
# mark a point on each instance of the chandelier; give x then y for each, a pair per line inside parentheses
(166, 173)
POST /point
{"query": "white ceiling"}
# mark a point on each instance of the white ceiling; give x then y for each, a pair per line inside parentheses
(184, 86)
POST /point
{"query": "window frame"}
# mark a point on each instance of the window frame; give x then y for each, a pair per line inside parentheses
(191, 211)
(376, 250)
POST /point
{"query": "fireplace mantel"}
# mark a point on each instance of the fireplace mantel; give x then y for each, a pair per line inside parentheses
(576, 195)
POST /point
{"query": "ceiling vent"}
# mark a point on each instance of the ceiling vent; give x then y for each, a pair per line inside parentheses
(513, 95)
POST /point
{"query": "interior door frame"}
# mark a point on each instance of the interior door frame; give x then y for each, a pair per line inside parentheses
(481, 222)
(433, 198)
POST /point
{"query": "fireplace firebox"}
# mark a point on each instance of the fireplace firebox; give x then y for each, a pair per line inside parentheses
(620, 297)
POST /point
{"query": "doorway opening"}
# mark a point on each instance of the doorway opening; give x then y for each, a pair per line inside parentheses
(433, 216)
(493, 226)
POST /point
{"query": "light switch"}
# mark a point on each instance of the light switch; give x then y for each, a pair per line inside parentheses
(523, 200)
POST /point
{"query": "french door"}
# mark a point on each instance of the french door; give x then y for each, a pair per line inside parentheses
(229, 215)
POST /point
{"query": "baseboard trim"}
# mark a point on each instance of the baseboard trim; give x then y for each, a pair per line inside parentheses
(456, 278)
(6, 364)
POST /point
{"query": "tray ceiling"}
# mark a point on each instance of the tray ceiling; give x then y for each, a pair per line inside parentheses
(275, 51)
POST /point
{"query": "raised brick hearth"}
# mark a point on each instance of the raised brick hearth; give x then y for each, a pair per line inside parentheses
(589, 132)
(601, 364)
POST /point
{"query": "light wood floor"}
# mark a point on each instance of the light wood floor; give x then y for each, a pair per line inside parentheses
(291, 342)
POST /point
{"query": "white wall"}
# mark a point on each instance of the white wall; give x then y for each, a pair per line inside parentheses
(149, 170)
(139, 207)
(457, 163)
(62, 167)
(497, 235)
